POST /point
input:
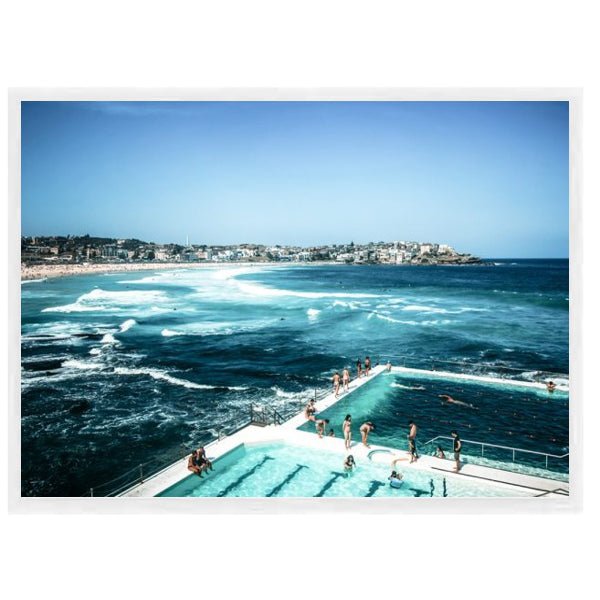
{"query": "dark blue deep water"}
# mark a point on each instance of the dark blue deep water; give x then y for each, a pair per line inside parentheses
(121, 368)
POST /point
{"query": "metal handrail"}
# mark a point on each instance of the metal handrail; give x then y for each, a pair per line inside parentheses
(514, 450)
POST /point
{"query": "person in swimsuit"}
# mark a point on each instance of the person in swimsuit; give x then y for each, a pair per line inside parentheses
(336, 383)
(451, 400)
(320, 425)
(203, 461)
(193, 465)
(349, 463)
(457, 447)
(346, 379)
(412, 441)
(365, 429)
(310, 410)
(439, 452)
(358, 368)
(388, 366)
(347, 429)
(367, 366)
(395, 479)
(551, 386)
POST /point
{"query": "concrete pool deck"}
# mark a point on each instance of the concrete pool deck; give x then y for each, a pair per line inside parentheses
(288, 433)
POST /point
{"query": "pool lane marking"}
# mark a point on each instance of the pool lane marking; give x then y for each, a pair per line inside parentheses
(528, 487)
(241, 479)
(335, 477)
(291, 476)
(375, 485)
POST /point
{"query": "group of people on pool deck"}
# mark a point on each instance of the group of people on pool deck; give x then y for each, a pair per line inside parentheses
(343, 380)
(368, 426)
(198, 462)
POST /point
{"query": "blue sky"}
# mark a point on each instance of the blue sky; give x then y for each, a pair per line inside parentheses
(489, 178)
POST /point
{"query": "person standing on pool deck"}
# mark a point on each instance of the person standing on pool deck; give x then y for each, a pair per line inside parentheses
(346, 379)
(347, 428)
(336, 383)
(358, 368)
(367, 366)
(412, 441)
(365, 429)
(457, 447)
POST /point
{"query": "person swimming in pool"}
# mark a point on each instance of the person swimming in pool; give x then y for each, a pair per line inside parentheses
(395, 479)
(365, 429)
(451, 400)
(349, 464)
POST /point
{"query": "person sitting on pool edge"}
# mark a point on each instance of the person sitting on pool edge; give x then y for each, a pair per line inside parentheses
(193, 464)
(349, 463)
(203, 461)
(310, 410)
(395, 479)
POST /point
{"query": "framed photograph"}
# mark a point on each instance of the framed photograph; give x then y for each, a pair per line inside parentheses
(294, 300)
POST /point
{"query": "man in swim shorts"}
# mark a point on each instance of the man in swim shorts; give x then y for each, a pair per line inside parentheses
(457, 447)
(412, 441)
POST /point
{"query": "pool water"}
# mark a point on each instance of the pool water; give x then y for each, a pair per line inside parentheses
(503, 414)
(282, 470)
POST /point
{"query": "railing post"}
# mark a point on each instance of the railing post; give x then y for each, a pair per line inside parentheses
(91, 492)
(546, 462)
(141, 473)
(513, 455)
(481, 449)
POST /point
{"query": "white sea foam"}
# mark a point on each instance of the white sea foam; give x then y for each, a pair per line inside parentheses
(164, 376)
(33, 280)
(101, 300)
(313, 314)
(108, 338)
(419, 308)
(127, 325)
(95, 351)
(82, 365)
(255, 289)
(170, 333)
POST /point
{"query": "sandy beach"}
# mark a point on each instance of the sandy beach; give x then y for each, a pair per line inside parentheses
(36, 272)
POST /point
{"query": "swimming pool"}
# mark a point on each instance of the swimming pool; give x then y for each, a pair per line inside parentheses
(503, 414)
(283, 470)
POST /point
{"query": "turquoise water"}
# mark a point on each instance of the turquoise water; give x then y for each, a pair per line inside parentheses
(281, 470)
(501, 414)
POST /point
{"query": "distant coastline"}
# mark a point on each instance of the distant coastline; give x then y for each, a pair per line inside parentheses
(50, 271)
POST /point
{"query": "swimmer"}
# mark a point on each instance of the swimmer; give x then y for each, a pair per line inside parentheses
(320, 426)
(365, 429)
(551, 386)
(349, 464)
(439, 452)
(451, 400)
(395, 479)
(347, 429)
(346, 379)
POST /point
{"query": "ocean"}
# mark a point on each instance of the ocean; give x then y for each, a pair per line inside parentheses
(121, 368)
